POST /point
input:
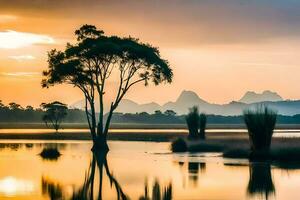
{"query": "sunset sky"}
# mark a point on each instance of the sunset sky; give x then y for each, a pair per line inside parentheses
(218, 48)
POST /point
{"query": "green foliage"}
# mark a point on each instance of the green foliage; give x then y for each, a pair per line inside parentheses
(260, 124)
(55, 112)
(179, 145)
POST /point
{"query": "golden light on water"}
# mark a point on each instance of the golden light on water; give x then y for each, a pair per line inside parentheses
(10, 186)
(12, 39)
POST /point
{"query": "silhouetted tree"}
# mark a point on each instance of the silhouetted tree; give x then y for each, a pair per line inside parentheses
(14, 106)
(90, 62)
(157, 112)
(170, 113)
(55, 112)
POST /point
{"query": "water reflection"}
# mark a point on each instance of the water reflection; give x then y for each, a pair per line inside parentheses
(79, 174)
(52, 189)
(166, 193)
(260, 180)
(194, 169)
(86, 191)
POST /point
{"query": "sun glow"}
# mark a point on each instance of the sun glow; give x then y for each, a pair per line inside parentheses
(12, 39)
(10, 186)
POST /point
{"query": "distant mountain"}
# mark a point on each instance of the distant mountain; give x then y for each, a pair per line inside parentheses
(253, 97)
(187, 99)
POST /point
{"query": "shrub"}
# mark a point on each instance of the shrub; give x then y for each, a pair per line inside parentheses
(50, 154)
(260, 124)
(192, 121)
(179, 145)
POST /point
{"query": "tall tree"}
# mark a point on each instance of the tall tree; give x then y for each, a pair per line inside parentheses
(55, 112)
(90, 62)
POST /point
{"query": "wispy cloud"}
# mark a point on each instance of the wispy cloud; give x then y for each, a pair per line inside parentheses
(12, 39)
(19, 74)
(7, 18)
(258, 64)
(22, 57)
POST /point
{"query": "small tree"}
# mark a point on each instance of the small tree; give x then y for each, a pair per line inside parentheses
(90, 62)
(55, 112)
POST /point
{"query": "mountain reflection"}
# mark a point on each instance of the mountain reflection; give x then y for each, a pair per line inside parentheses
(260, 180)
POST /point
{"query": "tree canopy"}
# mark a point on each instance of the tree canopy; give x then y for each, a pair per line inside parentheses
(94, 58)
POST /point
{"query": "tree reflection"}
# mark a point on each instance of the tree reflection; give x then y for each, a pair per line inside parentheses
(260, 180)
(86, 191)
(166, 193)
(53, 190)
(193, 169)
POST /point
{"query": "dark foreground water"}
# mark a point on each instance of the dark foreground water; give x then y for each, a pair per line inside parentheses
(136, 170)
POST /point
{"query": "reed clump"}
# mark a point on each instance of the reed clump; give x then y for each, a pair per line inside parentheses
(260, 123)
(196, 123)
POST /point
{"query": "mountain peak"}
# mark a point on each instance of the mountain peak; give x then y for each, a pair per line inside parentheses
(188, 96)
(253, 97)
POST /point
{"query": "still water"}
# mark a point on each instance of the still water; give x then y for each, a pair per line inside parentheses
(136, 170)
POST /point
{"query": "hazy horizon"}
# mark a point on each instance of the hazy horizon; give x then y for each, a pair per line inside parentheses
(218, 50)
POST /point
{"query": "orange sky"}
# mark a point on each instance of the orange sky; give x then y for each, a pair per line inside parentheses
(219, 50)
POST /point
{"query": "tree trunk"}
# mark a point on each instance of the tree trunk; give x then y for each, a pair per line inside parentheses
(100, 144)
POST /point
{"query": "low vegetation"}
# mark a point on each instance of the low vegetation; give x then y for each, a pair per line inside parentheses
(179, 145)
(50, 154)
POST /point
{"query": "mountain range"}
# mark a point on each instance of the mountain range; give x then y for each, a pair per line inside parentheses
(188, 99)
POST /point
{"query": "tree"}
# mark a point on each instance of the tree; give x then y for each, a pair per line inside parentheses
(55, 112)
(157, 112)
(14, 106)
(90, 62)
(170, 113)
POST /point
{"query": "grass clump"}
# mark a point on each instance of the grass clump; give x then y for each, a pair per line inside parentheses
(202, 125)
(50, 154)
(260, 124)
(193, 121)
(179, 145)
(196, 123)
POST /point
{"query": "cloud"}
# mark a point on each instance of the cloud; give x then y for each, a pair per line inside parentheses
(174, 22)
(12, 39)
(7, 18)
(19, 74)
(22, 57)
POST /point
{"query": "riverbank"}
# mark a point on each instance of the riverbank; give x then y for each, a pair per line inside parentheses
(282, 149)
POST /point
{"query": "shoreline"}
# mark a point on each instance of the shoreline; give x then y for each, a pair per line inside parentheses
(21, 125)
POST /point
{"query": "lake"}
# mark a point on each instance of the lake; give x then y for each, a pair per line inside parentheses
(137, 170)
